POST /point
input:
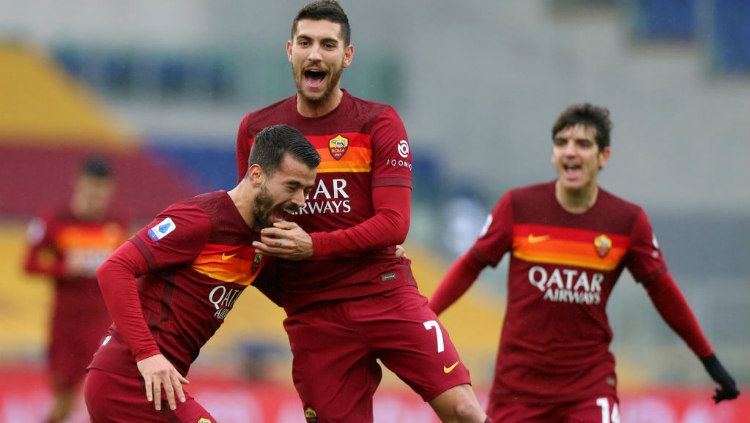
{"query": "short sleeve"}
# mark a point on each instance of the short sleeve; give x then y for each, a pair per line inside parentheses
(644, 259)
(497, 234)
(391, 152)
(176, 236)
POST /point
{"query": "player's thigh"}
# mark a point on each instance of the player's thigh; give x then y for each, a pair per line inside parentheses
(411, 342)
(604, 409)
(333, 370)
(116, 398)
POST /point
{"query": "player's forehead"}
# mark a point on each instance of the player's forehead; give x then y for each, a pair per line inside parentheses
(318, 29)
(578, 131)
(292, 169)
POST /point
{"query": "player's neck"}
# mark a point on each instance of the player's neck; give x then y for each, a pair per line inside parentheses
(242, 201)
(314, 109)
(576, 201)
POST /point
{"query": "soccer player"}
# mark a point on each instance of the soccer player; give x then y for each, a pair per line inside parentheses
(194, 260)
(67, 245)
(569, 241)
(349, 299)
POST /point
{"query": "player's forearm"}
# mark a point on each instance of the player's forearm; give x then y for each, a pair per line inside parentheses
(388, 227)
(382, 230)
(674, 309)
(456, 282)
(118, 286)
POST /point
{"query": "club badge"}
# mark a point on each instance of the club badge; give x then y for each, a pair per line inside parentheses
(603, 244)
(311, 416)
(338, 146)
(256, 262)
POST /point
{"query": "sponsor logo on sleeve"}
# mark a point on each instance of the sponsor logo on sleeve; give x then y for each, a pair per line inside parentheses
(164, 228)
(337, 146)
(403, 148)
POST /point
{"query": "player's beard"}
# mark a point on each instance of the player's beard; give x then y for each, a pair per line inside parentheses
(264, 208)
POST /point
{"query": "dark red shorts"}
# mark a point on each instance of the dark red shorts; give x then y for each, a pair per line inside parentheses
(335, 346)
(115, 398)
(603, 409)
(74, 338)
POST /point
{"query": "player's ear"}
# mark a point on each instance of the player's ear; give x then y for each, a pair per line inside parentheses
(604, 157)
(289, 50)
(256, 175)
(348, 55)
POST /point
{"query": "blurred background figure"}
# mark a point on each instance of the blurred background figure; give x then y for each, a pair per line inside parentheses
(67, 245)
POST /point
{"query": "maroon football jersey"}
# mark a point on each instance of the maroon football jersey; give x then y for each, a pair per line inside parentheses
(57, 237)
(563, 266)
(200, 259)
(362, 145)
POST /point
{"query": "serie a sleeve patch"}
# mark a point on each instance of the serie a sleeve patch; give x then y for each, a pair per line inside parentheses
(164, 228)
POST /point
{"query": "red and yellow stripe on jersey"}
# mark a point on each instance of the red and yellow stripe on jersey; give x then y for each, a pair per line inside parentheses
(228, 263)
(352, 148)
(569, 246)
(77, 236)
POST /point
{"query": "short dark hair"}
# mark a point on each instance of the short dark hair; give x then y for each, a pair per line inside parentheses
(586, 114)
(328, 10)
(271, 143)
(96, 167)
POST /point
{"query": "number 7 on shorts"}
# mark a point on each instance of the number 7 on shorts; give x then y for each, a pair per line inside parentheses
(430, 324)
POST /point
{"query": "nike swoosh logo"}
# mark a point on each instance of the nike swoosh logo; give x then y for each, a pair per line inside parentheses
(447, 369)
(225, 256)
(536, 239)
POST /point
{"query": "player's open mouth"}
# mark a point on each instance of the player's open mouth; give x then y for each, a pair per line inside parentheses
(572, 169)
(283, 212)
(314, 78)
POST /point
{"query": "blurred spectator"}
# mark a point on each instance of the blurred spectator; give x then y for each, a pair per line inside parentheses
(67, 245)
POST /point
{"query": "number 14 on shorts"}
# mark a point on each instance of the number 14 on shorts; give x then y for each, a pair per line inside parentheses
(608, 417)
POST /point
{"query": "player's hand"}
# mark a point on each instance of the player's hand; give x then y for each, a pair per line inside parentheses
(400, 251)
(728, 388)
(285, 240)
(159, 373)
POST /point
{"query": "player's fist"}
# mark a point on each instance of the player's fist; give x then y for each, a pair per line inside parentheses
(728, 388)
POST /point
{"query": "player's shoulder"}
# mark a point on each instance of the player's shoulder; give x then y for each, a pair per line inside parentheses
(531, 193)
(271, 114)
(209, 202)
(370, 108)
(611, 201)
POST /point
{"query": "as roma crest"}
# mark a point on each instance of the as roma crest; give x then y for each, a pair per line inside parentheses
(338, 146)
(603, 244)
(256, 262)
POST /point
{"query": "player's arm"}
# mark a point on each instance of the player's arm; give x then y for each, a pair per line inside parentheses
(646, 263)
(40, 258)
(456, 282)
(117, 281)
(674, 309)
(488, 249)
